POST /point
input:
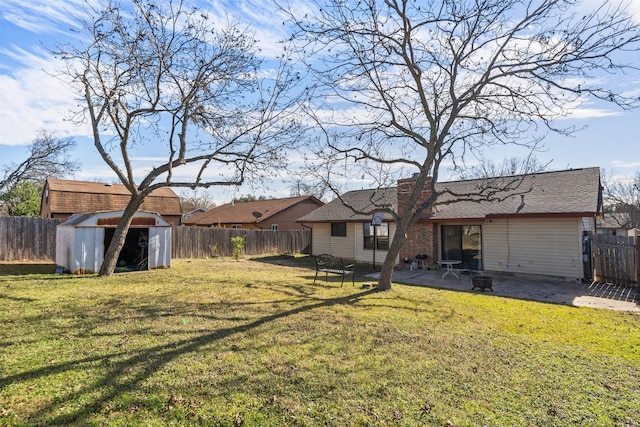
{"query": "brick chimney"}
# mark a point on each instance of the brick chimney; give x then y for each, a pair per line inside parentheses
(422, 237)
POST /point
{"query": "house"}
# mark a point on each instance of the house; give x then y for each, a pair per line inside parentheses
(82, 240)
(616, 224)
(270, 214)
(539, 229)
(63, 198)
(191, 213)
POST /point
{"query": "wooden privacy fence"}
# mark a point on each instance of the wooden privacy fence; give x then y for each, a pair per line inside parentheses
(26, 238)
(616, 259)
(202, 242)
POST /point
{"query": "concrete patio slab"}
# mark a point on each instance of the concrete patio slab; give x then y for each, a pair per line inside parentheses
(532, 288)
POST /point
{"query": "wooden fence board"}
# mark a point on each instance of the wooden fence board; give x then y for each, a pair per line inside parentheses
(27, 238)
(202, 242)
(615, 259)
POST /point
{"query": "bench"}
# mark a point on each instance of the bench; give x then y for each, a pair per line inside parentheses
(329, 264)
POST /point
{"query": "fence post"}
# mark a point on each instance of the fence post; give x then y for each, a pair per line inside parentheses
(637, 261)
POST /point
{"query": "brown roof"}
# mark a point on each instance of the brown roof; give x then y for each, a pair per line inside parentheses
(574, 192)
(243, 212)
(361, 200)
(66, 196)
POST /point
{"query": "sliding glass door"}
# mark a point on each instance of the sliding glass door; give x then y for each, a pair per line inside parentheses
(463, 243)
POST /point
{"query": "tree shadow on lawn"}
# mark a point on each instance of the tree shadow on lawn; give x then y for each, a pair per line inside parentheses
(308, 262)
(134, 367)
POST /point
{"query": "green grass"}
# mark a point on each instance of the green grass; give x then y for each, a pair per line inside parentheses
(224, 343)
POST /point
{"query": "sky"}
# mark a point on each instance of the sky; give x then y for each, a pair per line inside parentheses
(33, 99)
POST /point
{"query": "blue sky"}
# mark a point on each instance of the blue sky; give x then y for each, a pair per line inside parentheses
(31, 98)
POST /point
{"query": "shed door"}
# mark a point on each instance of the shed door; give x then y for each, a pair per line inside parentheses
(134, 253)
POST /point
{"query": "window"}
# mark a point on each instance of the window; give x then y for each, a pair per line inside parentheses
(236, 226)
(339, 229)
(274, 227)
(381, 239)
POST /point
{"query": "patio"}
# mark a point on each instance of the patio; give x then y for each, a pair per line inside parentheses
(529, 287)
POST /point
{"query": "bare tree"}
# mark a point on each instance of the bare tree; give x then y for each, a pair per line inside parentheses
(487, 168)
(304, 187)
(195, 199)
(49, 157)
(622, 196)
(420, 84)
(163, 76)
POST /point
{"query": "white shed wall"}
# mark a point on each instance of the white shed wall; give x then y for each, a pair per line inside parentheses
(159, 247)
(64, 247)
(549, 246)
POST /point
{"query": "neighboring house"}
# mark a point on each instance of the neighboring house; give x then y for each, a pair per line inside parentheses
(191, 213)
(540, 231)
(270, 214)
(615, 224)
(63, 198)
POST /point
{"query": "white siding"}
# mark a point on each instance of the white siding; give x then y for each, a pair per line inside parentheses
(323, 243)
(320, 234)
(159, 247)
(589, 224)
(534, 246)
(366, 255)
(350, 247)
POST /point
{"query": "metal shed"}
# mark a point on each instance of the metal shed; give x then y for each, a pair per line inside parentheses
(82, 240)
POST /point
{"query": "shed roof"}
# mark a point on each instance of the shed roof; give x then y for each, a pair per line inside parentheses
(110, 218)
(574, 192)
(243, 212)
(68, 196)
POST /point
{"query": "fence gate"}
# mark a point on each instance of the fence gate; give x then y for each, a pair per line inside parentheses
(615, 259)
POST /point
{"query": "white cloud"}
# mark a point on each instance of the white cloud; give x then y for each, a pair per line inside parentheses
(41, 16)
(33, 100)
(592, 113)
(626, 164)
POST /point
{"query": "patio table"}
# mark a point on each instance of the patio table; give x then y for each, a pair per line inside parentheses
(449, 263)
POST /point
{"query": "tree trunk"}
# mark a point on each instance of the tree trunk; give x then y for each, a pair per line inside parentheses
(384, 282)
(119, 236)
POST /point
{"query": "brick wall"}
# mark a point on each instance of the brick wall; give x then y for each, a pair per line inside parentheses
(422, 237)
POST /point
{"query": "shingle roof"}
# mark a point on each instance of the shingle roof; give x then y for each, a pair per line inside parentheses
(243, 212)
(568, 192)
(361, 200)
(67, 196)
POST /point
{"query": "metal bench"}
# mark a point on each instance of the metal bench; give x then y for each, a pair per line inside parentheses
(329, 264)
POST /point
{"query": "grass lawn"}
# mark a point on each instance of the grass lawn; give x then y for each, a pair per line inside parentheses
(224, 343)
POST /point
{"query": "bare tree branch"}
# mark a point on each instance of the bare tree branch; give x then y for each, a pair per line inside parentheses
(49, 157)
